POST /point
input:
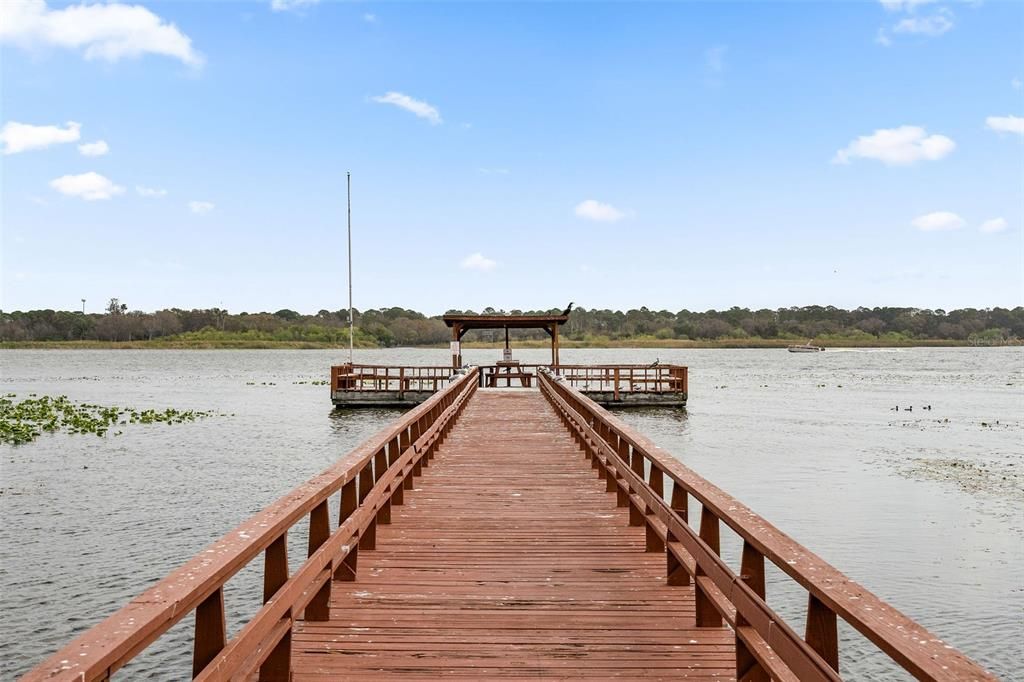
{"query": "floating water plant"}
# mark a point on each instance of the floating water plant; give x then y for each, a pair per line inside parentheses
(25, 420)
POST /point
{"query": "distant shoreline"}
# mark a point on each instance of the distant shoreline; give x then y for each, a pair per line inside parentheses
(167, 344)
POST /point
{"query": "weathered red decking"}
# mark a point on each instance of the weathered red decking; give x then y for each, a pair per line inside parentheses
(509, 559)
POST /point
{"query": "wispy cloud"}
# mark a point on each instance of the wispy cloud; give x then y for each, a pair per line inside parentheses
(22, 137)
(993, 225)
(200, 207)
(150, 192)
(934, 25)
(370, 18)
(904, 5)
(477, 261)
(591, 209)
(412, 105)
(90, 186)
(1016, 84)
(97, 148)
(1006, 124)
(897, 147)
(937, 221)
(106, 31)
(291, 5)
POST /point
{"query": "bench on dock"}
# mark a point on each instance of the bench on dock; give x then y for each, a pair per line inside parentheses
(509, 533)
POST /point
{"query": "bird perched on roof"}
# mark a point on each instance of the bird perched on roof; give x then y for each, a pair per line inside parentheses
(655, 363)
(567, 310)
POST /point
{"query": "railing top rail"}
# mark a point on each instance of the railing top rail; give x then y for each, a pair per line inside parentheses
(108, 644)
(438, 368)
(897, 635)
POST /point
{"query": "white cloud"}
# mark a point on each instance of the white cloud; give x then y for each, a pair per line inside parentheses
(370, 18)
(493, 171)
(21, 137)
(89, 186)
(882, 37)
(288, 5)
(897, 146)
(107, 31)
(993, 225)
(595, 210)
(939, 220)
(903, 5)
(418, 107)
(1006, 124)
(935, 25)
(98, 148)
(150, 192)
(200, 207)
(477, 261)
(1016, 84)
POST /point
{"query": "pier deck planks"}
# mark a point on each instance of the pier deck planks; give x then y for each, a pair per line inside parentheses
(509, 560)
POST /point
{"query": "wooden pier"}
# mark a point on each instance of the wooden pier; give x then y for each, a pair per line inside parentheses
(509, 534)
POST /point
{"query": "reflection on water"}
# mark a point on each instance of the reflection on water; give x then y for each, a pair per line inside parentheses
(810, 441)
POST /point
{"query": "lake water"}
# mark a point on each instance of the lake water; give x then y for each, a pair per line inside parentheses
(925, 508)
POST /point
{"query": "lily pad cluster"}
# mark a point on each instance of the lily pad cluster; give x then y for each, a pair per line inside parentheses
(22, 421)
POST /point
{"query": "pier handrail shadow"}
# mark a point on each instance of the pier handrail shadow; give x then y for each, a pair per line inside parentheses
(636, 469)
(370, 479)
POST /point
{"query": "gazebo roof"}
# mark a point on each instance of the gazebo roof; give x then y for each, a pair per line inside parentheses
(504, 321)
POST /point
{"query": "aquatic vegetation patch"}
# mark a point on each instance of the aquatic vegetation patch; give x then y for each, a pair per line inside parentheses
(22, 421)
(999, 477)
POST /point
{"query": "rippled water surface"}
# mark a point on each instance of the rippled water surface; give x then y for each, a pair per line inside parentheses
(925, 508)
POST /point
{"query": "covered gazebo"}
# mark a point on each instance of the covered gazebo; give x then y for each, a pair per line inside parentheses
(460, 324)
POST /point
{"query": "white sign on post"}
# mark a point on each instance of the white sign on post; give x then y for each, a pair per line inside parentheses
(455, 348)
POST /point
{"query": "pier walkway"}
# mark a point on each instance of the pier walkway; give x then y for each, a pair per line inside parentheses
(511, 534)
(509, 559)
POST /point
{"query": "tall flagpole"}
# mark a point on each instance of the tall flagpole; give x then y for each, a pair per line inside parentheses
(351, 320)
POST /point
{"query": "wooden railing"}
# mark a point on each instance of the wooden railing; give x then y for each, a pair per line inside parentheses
(389, 378)
(614, 379)
(611, 379)
(657, 488)
(370, 480)
(617, 379)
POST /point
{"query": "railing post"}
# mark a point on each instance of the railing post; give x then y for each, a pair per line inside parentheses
(752, 574)
(414, 435)
(403, 439)
(368, 538)
(637, 513)
(822, 634)
(622, 449)
(380, 467)
(346, 570)
(210, 632)
(657, 483)
(277, 666)
(677, 573)
(707, 615)
(398, 494)
(319, 531)
(616, 389)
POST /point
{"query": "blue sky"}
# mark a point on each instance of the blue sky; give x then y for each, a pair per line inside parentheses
(673, 155)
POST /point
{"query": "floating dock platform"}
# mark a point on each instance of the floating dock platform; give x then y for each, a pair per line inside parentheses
(354, 386)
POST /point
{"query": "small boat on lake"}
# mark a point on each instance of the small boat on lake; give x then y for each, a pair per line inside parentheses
(805, 348)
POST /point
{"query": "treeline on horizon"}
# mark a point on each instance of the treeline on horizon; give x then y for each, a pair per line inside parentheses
(400, 327)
